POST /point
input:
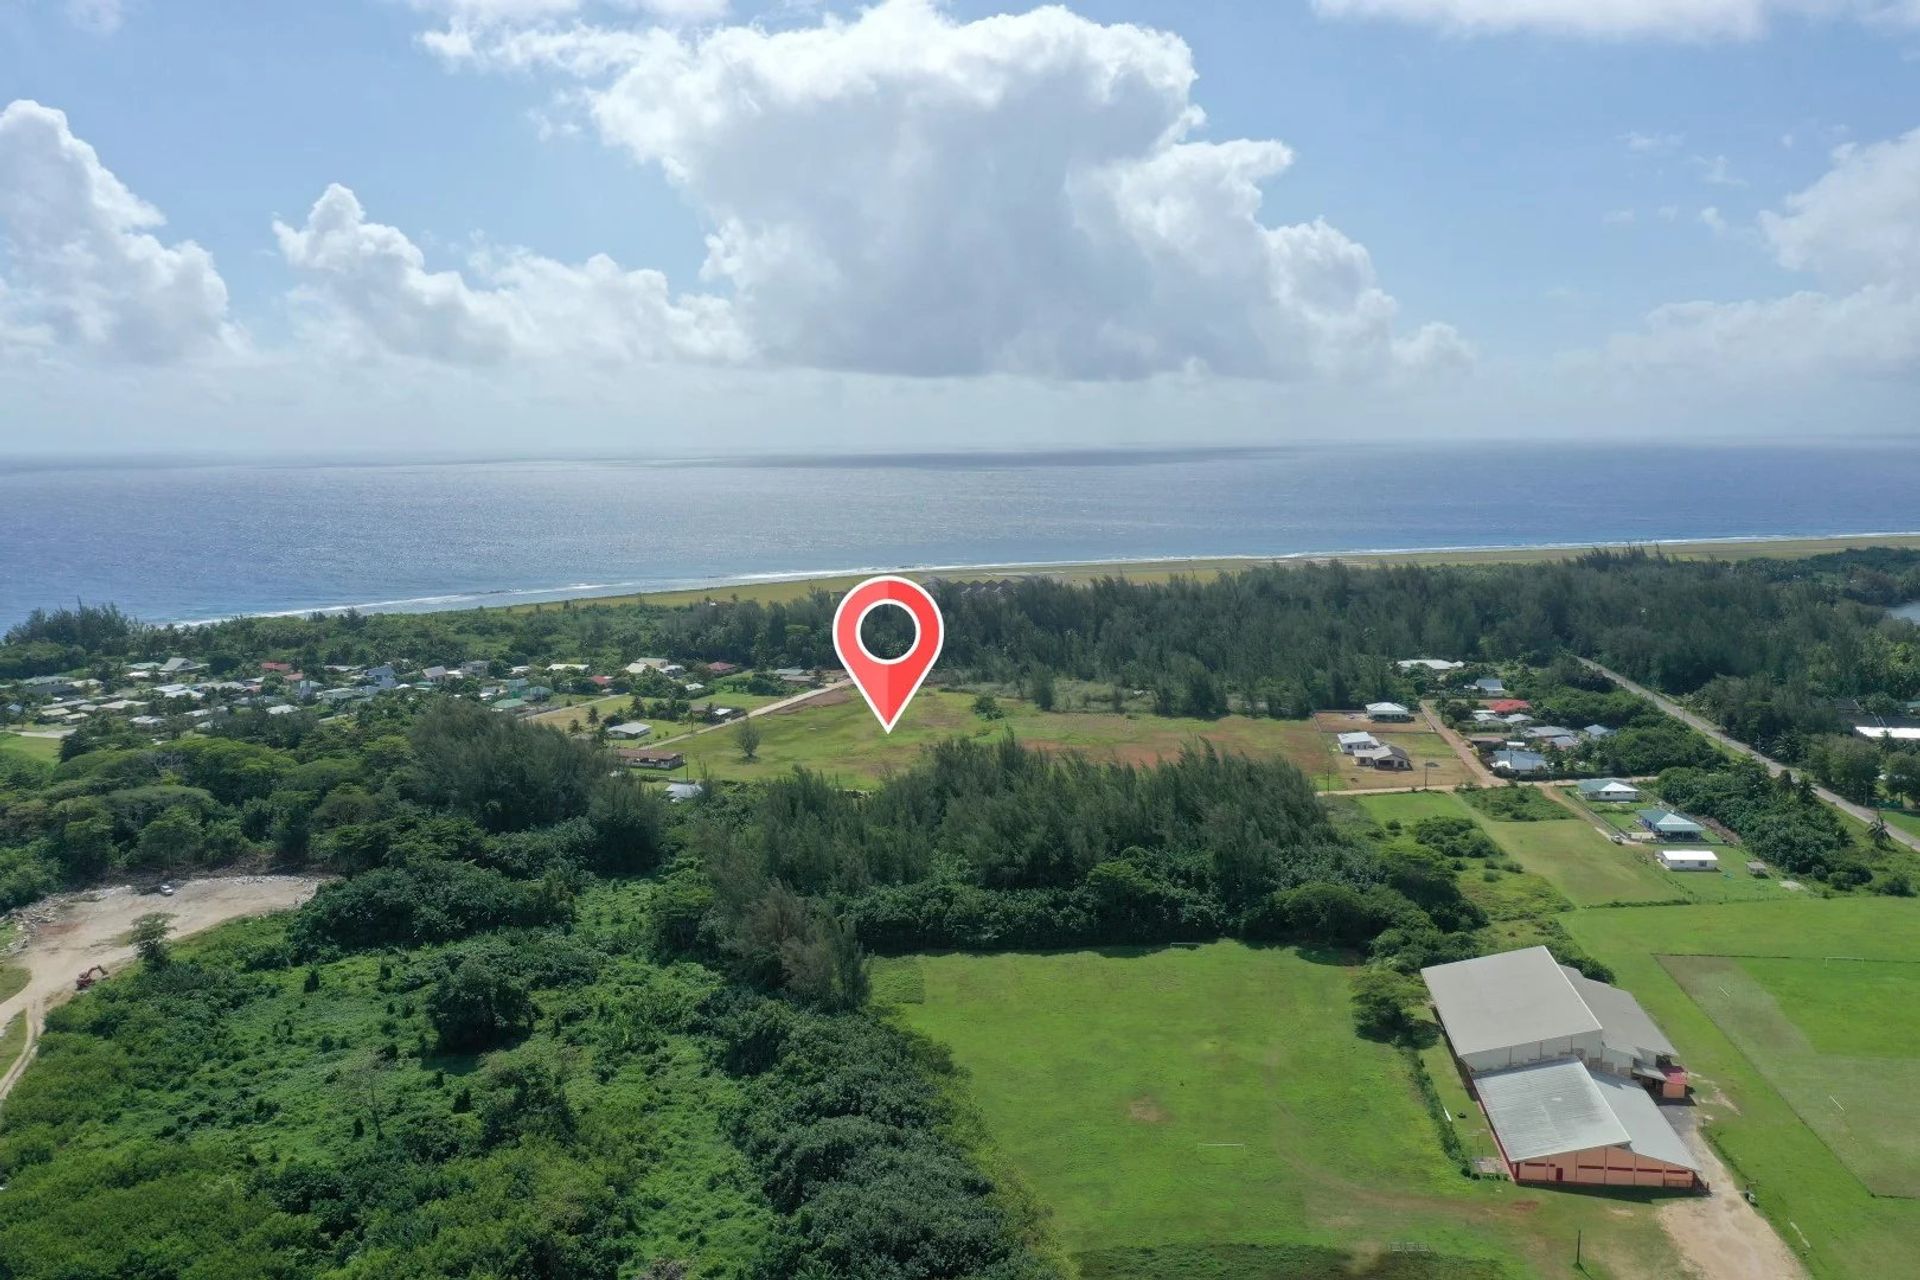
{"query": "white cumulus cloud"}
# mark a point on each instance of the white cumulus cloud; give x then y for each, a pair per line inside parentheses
(80, 270)
(374, 293)
(907, 193)
(1618, 19)
(1857, 232)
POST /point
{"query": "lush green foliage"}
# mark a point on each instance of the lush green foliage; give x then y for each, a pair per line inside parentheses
(984, 846)
(1778, 819)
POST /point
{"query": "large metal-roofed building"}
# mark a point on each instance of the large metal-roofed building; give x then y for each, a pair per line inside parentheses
(1566, 1069)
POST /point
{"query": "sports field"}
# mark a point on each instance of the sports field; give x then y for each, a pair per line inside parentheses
(1800, 1020)
(836, 734)
(1839, 1040)
(1210, 1112)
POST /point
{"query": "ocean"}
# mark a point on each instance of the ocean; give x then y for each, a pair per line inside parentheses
(191, 541)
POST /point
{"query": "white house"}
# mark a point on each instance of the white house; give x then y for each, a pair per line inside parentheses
(1359, 740)
(630, 730)
(1689, 859)
(1387, 711)
(1431, 664)
(1608, 789)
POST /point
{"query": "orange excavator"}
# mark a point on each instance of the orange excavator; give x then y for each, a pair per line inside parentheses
(90, 977)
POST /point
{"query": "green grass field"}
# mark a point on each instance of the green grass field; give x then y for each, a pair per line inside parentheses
(1908, 822)
(837, 735)
(1565, 852)
(1747, 990)
(13, 979)
(1210, 1112)
(1839, 1040)
(38, 748)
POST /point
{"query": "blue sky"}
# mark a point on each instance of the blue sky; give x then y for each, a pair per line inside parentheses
(1527, 198)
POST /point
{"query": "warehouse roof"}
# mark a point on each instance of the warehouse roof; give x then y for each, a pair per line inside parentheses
(1648, 1131)
(1515, 997)
(1552, 1108)
(1549, 1108)
(1622, 1021)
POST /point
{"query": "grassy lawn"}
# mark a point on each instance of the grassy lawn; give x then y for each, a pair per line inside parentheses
(38, 748)
(1843, 976)
(836, 735)
(1210, 1112)
(1565, 852)
(1625, 818)
(13, 979)
(1908, 822)
(618, 707)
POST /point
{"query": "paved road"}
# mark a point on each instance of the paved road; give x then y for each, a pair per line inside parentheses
(1712, 731)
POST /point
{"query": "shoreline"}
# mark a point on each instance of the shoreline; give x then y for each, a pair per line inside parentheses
(771, 587)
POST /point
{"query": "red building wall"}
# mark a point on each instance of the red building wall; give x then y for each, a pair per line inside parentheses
(1604, 1167)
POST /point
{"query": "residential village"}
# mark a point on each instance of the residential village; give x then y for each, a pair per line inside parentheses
(646, 700)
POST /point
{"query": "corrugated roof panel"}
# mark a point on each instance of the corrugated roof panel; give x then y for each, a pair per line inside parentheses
(1623, 1022)
(1649, 1133)
(1548, 1109)
(1513, 998)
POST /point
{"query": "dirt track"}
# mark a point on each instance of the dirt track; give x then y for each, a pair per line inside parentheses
(72, 932)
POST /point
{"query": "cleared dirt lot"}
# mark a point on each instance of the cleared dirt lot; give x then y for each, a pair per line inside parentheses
(64, 935)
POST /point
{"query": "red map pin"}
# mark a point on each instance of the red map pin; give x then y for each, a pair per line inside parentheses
(888, 684)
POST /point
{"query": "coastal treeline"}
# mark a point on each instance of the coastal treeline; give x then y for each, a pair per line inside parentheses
(1772, 647)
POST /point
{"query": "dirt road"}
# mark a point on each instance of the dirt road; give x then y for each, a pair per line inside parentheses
(772, 708)
(1720, 1235)
(1712, 731)
(1476, 768)
(73, 932)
